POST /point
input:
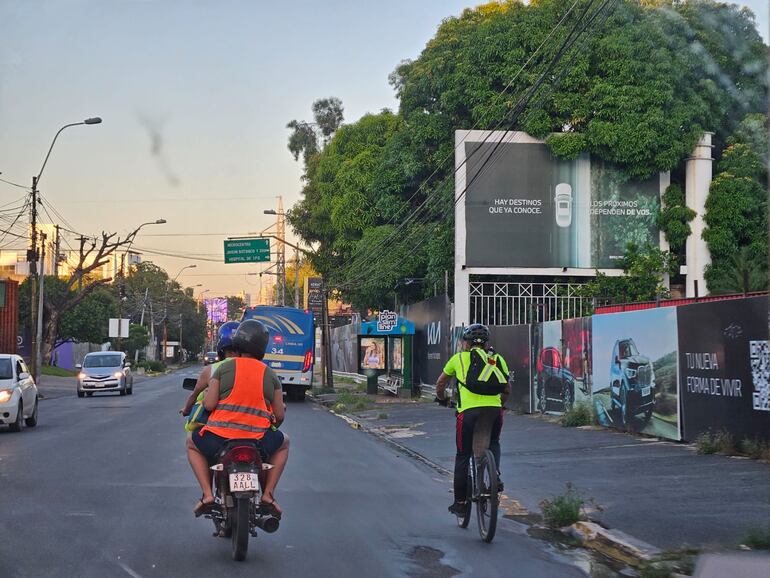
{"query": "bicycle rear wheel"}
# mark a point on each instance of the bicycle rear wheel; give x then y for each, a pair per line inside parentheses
(463, 521)
(486, 507)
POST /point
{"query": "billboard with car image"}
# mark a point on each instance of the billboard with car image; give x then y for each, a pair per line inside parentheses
(635, 371)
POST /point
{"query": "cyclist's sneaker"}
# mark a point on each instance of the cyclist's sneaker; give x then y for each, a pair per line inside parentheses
(458, 508)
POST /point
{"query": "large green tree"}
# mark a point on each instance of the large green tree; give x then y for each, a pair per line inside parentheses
(637, 89)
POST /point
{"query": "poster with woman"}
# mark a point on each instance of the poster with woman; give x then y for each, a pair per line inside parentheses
(372, 353)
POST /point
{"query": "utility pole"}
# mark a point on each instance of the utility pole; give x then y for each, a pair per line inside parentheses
(57, 252)
(39, 329)
(141, 321)
(281, 234)
(296, 278)
(181, 355)
(120, 301)
(32, 259)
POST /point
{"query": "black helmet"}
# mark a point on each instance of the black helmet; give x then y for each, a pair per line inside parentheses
(251, 337)
(225, 341)
(477, 334)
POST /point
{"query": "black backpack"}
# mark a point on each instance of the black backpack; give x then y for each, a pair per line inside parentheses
(493, 386)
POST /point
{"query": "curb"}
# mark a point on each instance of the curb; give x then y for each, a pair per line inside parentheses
(613, 544)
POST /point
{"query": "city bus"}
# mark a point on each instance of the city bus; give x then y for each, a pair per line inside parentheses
(291, 349)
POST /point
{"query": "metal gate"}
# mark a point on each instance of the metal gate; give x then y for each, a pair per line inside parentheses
(493, 303)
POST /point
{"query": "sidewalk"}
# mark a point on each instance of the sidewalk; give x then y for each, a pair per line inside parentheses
(660, 492)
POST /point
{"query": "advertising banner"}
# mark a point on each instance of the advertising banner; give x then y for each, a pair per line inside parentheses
(512, 342)
(432, 332)
(725, 368)
(314, 296)
(543, 212)
(344, 345)
(635, 371)
(560, 369)
(216, 310)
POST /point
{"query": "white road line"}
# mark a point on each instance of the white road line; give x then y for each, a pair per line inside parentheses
(129, 571)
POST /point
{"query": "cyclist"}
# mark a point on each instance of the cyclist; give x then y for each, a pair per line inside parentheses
(482, 388)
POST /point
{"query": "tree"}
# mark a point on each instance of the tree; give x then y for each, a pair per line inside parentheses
(88, 321)
(235, 307)
(644, 268)
(93, 254)
(637, 92)
(138, 339)
(674, 219)
(304, 138)
(736, 217)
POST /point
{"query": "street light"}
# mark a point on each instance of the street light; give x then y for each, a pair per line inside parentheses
(32, 255)
(165, 308)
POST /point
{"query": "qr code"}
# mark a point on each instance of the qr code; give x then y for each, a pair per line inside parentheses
(760, 373)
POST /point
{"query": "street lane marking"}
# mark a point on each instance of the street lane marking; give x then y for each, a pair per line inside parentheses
(81, 514)
(129, 571)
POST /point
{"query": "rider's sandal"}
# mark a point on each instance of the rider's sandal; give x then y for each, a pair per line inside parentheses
(203, 508)
(269, 508)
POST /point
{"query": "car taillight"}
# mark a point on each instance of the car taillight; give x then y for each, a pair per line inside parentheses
(278, 339)
(242, 454)
(308, 360)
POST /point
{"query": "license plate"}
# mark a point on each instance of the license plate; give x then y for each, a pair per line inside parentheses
(244, 482)
(645, 391)
(98, 385)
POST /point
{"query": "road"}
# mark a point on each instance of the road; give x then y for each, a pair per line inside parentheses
(102, 488)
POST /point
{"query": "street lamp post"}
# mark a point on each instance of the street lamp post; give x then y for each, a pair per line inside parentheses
(280, 223)
(121, 285)
(36, 321)
(165, 309)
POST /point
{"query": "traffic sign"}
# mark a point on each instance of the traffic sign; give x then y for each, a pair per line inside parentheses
(247, 250)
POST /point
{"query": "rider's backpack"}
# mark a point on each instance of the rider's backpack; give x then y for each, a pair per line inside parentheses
(483, 376)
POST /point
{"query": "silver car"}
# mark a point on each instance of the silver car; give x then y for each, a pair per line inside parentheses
(105, 371)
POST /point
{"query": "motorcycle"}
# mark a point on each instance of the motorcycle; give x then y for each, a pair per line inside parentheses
(238, 478)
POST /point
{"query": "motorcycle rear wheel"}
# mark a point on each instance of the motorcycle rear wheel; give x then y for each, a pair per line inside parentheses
(240, 528)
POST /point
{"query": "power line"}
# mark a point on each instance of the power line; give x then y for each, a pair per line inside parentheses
(381, 246)
(370, 273)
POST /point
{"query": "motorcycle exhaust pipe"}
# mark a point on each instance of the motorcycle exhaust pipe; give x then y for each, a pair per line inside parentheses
(268, 523)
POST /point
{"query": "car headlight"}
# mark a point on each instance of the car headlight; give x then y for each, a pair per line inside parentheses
(82, 375)
(631, 373)
(5, 395)
(118, 374)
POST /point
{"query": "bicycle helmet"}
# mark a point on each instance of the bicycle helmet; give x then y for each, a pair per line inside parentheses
(251, 337)
(477, 334)
(225, 337)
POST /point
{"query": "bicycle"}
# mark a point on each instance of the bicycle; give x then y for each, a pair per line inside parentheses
(482, 480)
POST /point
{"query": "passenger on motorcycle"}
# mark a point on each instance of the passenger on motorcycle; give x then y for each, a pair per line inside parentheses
(246, 402)
(224, 351)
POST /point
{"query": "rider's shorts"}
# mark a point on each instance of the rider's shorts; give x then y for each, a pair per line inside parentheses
(209, 444)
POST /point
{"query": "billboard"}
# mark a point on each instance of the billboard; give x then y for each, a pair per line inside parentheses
(560, 369)
(512, 342)
(725, 368)
(432, 339)
(314, 296)
(635, 371)
(216, 310)
(544, 212)
(344, 343)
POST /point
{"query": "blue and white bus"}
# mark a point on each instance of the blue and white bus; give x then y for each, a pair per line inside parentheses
(291, 349)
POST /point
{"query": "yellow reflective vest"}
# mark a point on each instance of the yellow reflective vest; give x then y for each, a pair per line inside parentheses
(458, 366)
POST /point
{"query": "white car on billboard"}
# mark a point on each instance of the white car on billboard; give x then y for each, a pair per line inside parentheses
(563, 200)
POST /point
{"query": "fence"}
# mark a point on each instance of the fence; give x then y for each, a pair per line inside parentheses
(493, 303)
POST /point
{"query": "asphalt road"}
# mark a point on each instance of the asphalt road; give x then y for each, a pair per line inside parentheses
(102, 488)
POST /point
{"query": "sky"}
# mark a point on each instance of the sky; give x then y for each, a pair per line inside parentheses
(195, 96)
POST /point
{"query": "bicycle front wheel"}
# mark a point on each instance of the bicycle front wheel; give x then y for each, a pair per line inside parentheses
(486, 507)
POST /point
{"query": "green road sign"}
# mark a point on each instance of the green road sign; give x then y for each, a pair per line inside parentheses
(247, 250)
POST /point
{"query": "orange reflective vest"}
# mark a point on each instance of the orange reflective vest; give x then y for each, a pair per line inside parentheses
(244, 412)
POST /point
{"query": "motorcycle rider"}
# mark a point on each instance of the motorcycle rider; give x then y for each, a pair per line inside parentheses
(245, 399)
(471, 406)
(224, 350)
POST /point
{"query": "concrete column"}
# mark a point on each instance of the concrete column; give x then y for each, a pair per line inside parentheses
(462, 278)
(699, 172)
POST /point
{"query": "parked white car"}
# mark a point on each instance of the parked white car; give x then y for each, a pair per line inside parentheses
(18, 393)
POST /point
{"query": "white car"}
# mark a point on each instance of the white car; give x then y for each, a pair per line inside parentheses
(18, 393)
(563, 201)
